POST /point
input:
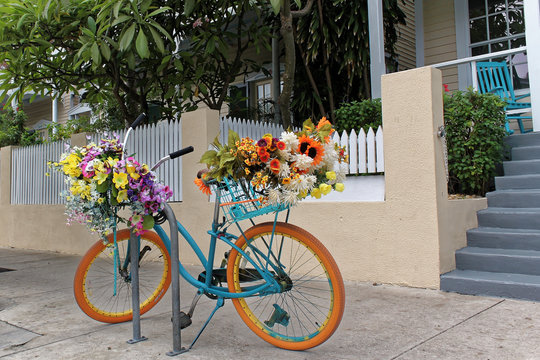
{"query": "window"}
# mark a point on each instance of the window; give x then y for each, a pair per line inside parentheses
(497, 25)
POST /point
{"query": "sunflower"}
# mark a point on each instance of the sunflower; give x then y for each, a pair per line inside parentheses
(202, 186)
(311, 148)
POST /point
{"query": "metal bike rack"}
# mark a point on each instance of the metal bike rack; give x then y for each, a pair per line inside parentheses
(134, 253)
(175, 286)
(175, 283)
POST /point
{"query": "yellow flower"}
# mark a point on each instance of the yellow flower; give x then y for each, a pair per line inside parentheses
(122, 196)
(120, 180)
(316, 193)
(100, 200)
(130, 169)
(100, 177)
(111, 161)
(340, 187)
(325, 188)
(331, 175)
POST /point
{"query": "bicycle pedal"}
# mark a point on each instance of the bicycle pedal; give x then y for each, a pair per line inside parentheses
(185, 320)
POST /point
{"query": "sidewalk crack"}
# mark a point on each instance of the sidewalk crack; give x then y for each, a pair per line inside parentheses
(445, 330)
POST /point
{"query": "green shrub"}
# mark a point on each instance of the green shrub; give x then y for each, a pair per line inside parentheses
(474, 125)
(12, 130)
(358, 114)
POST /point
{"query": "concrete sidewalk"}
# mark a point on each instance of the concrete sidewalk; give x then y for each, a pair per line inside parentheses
(39, 319)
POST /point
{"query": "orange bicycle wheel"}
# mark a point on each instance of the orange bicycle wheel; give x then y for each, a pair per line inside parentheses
(94, 285)
(310, 305)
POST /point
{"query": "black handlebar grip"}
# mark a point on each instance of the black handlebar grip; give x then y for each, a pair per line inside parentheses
(181, 152)
(138, 120)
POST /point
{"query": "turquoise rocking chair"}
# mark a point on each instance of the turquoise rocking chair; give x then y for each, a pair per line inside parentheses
(493, 77)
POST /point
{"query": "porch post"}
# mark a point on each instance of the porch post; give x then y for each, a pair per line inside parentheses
(532, 29)
(376, 46)
(55, 108)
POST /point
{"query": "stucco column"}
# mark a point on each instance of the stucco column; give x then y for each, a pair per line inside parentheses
(5, 175)
(376, 46)
(199, 129)
(532, 38)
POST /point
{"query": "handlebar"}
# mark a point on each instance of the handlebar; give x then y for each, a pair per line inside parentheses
(173, 155)
(181, 152)
(138, 120)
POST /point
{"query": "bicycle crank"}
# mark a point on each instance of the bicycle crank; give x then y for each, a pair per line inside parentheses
(279, 316)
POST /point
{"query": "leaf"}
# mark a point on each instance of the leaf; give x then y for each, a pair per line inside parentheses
(105, 51)
(209, 157)
(157, 40)
(120, 19)
(148, 222)
(233, 138)
(159, 11)
(116, 9)
(96, 56)
(127, 37)
(142, 45)
(103, 187)
(189, 6)
(276, 6)
(92, 24)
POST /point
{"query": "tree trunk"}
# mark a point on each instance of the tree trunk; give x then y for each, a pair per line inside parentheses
(290, 63)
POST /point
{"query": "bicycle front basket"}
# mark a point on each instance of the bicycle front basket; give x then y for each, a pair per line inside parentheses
(239, 201)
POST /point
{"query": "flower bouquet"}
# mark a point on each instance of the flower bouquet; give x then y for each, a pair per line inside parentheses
(101, 182)
(284, 169)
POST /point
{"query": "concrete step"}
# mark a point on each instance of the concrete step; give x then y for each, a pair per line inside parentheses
(521, 167)
(526, 153)
(512, 218)
(514, 198)
(486, 237)
(517, 182)
(530, 139)
(499, 260)
(515, 286)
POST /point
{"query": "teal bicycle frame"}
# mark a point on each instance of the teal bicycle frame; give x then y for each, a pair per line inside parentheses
(261, 265)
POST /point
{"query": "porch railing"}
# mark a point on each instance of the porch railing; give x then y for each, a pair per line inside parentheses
(473, 59)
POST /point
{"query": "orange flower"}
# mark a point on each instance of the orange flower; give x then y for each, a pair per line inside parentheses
(281, 145)
(202, 186)
(311, 148)
(262, 151)
(323, 122)
(275, 166)
(265, 157)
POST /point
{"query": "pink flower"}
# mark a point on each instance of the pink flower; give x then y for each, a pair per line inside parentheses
(445, 87)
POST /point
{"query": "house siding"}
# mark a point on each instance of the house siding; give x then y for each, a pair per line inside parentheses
(406, 43)
(440, 37)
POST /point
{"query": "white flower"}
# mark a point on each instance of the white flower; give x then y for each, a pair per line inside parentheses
(290, 139)
(330, 154)
(303, 183)
(290, 197)
(284, 170)
(273, 196)
(302, 161)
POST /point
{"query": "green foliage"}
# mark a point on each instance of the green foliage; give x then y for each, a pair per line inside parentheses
(125, 52)
(342, 37)
(59, 132)
(12, 130)
(359, 114)
(474, 136)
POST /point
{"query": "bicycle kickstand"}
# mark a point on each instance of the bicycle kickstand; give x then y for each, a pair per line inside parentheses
(219, 304)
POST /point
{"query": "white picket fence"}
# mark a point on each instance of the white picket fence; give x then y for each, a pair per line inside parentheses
(365, 150)
(29, 182)
(30, 185)
(247, 128)
(366, 153)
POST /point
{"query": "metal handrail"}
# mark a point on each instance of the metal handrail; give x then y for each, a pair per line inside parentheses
(480, 57)
(473, 59)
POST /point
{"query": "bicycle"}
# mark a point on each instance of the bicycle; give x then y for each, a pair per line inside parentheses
(283, 282)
